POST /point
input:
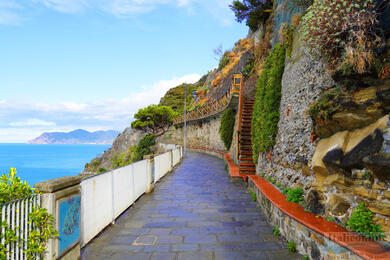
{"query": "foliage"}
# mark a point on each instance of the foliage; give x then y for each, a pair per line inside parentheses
(93, 165)
(225, 59)
(361, 221)
(278, 184)
(143, 147)
(154, 119)
(367, 175)
(306, 257)
(286, 37)
(248, 69)
(42, 230)
(325, 106)
(253, 195)
(12, 188)
(226, 128)
(276, 231)
(292, 247)
(134, 153)
(262, 174)
(254, 12)
(344, 32)
(285, 191)
(174, 97)
(267, 100)
(101, 169)
(330, 219)
(295, 195)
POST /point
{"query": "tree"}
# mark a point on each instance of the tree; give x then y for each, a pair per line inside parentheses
(154, 119)
(253, 11)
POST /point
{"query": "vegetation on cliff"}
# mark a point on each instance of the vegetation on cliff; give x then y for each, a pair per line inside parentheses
(134, 153)
(226, 128)
(345, 33)
(267, 100)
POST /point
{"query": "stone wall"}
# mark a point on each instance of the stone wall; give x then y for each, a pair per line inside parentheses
(308, 242)
(303, 81)
(200, 133)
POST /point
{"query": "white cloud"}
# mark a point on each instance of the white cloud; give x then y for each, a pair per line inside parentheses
(9, 13)
(32, 122)
(22, 121)
(65, 6)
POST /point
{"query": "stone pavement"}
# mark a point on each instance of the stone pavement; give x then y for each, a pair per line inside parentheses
(196, 212)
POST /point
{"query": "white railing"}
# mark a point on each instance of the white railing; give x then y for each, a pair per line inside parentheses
(162, 165)
(105, 196)
(15, 215)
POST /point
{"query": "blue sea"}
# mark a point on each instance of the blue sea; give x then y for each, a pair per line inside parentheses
(39, 162)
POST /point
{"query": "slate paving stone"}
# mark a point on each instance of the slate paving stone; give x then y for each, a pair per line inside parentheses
(196, 212)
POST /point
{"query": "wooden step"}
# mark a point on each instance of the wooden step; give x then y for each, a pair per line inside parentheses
(250, 154)
(247, 171)
(247, 164)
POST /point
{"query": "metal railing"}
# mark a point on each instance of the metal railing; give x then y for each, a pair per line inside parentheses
(15, 218)
(209, 108)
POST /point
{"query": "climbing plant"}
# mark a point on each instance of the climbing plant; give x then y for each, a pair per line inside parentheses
(267, 100)
(227, 127)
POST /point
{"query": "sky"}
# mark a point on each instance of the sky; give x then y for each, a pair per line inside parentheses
(91, 64)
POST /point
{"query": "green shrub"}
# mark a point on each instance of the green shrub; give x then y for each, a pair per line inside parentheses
(295, 195)
(12, 188)
(330, 219)
(292, 247)
(253, 11)
(101, 170)
(253, 195)
(285, 191)
(367, 175)
(276, 231)
(278, 184)
(262, 174)
(248, 69)
(226, 128)
(143, 147)
(267, 100)
(306, 257)
(361, 221)
(343, 32)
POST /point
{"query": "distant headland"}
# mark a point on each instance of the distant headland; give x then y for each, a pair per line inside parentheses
(78, 136)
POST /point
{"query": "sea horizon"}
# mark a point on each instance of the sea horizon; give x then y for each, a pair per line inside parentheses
(40, 162)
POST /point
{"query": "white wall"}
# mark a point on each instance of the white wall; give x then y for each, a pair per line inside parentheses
(105, 196)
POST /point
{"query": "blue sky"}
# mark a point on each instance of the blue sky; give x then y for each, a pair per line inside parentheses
(91, 64)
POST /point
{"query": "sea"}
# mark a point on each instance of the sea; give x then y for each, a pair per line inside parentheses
(40, 162)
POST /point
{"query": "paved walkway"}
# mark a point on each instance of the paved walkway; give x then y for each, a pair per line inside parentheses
(196, 212)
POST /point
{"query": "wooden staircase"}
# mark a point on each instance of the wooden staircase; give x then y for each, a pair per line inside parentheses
(245, 156)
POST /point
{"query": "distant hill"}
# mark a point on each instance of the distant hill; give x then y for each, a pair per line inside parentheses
(76, 137)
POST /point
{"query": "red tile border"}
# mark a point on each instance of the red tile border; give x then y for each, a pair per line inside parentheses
(366, 250)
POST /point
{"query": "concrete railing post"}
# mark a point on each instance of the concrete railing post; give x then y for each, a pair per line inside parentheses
(150, 171)
(170, 160)
(61, 198)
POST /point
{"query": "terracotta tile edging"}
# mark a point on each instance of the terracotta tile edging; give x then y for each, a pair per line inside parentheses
(310, 220)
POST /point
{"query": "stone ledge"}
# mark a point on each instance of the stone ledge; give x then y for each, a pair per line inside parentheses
(313, 223)
(57, 184)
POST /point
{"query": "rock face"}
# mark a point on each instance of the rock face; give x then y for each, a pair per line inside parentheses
(203, 134)
(129, 137)
(355, 104)
(76, 137)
